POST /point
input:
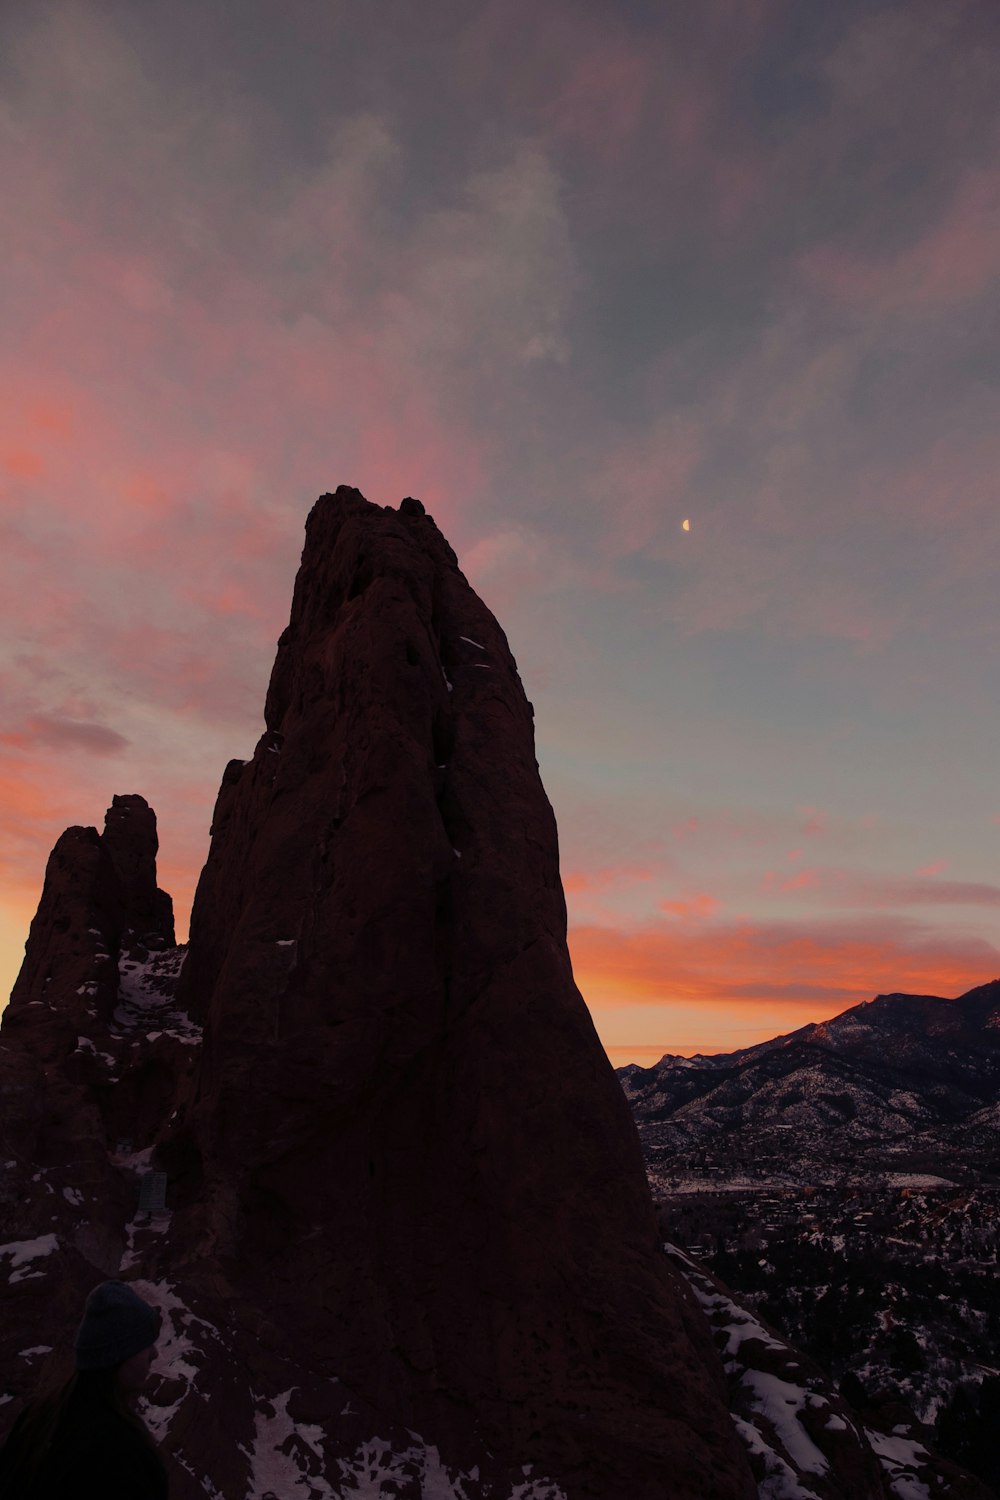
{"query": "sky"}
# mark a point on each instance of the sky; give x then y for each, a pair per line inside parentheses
(573, 274)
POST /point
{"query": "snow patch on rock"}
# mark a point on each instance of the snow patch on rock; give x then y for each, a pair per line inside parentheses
(23, 1252)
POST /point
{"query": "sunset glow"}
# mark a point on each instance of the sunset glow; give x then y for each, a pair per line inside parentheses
(684, 330)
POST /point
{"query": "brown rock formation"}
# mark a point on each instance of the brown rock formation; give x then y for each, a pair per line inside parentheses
(132, 844)
(74, 1081)
(100, 896)
(70, 967)
(409, 1127)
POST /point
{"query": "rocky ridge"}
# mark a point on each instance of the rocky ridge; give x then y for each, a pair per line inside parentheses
(899, 1073)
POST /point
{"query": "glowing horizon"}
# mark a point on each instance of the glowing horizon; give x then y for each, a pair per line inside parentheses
(683, 332)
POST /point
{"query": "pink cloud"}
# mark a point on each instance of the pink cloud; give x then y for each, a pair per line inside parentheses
(191, 356)
(582, 79)
(231, 599)
(154, 501)
(601, 97)
(956, 260)
(65, 733)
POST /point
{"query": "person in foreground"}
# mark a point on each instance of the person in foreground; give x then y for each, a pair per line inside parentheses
(85, 1439)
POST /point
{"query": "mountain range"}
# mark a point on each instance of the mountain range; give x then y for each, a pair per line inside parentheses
(900, 1075)
(844, 1182)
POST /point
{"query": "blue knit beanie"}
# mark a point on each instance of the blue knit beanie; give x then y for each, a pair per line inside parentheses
(116, 1324)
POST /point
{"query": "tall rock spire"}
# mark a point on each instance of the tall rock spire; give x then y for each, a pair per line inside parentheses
(131, 841)
(412, 1142)
(100, 900)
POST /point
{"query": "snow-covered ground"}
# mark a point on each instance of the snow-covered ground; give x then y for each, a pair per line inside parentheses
(287, 1455)
(771, 1406)
(22, 1254)
(902, 1459)
(146, 997)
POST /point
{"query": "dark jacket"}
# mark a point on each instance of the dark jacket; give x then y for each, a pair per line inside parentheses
(95, 1454)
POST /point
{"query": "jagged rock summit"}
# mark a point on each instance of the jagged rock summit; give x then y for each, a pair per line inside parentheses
(100, 906)
(408, 1243)
(398, 1068)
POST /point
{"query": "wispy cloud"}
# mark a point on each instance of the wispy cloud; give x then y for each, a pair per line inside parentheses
(854, 888)
(827, 963)
(63, 733)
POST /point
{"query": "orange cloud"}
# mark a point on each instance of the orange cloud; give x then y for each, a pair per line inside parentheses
(55, 417)
(26, 801)
(37, 801)
(847, 888)
(144, 491)
(828, 964)
(694, 906)
(22, 463)
(578, 881)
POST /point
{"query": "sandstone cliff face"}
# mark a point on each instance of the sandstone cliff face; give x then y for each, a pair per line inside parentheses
(100, 901)
(403, 1106)
(131, 842)
(76, 1084)
(70, 967)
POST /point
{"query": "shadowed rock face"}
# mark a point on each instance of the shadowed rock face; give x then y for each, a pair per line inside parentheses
(99, 899)
(70, 964)
(131, 842)
(409, 1130)
(74, 1080)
